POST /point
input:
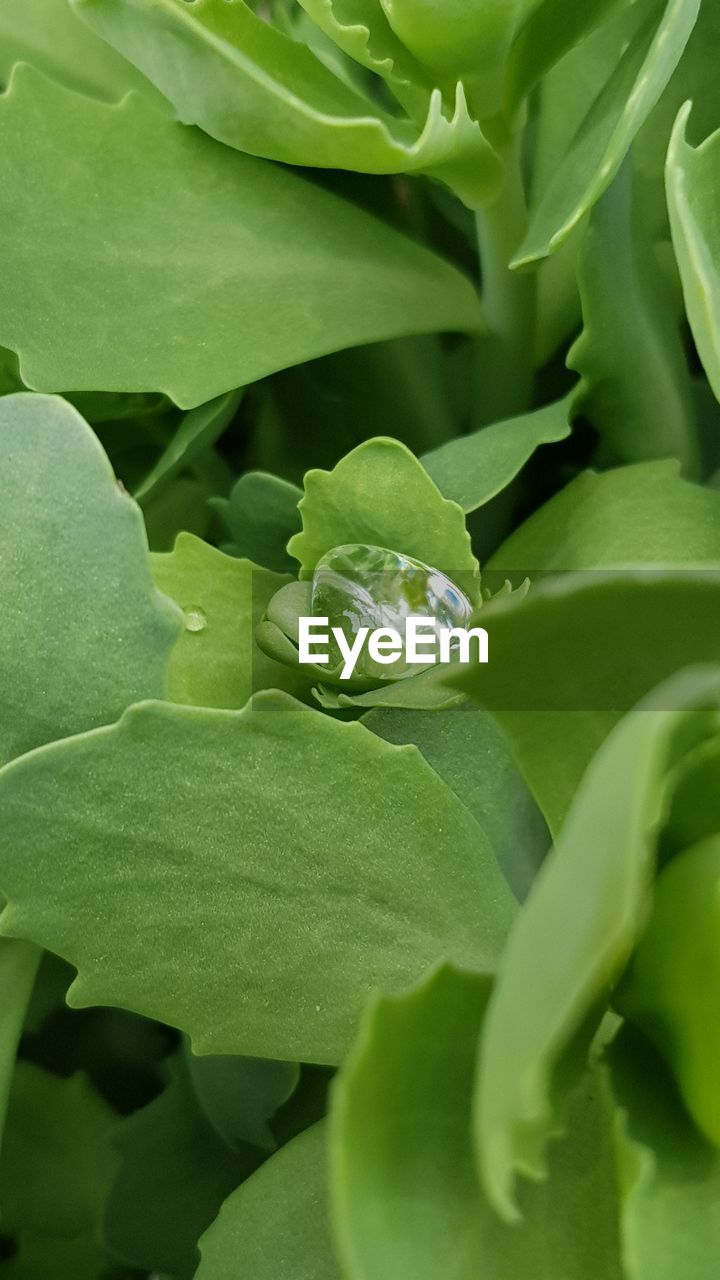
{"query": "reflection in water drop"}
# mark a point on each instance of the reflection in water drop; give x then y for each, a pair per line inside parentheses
(358, 585)
(195, 618)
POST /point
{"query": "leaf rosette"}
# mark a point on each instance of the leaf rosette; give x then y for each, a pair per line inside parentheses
(378, 529)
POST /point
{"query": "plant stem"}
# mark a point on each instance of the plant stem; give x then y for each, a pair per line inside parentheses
(505, 358)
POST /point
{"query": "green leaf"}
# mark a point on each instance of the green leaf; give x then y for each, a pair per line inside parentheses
(694, 79)
(380, 494)
(607, 131)
(403, 1176)
(403, 1180)
(275, 1226)
(471, 470)
(423, 692)
(174, 1171)
(278, 634)
(48, 35)
(252, 87)
(184, 237)
(56, 1165)
(307, 1106)
(671, 987)
(469, 752)
(237, 805)
(636, 387)
(578, 928)
(563, 98)
(198, 430)
(261, 515)
(278, 637)
(241, 1095)
(100, 407)
(639, 515)
(84, 632)
(691, 187)
(553, 749)
(216, 662)
(133, 429)
(695, 802)
(460, 38)
(670, 1176)
(551, 28)
(575, 654)
(361, 29)
(569, 89)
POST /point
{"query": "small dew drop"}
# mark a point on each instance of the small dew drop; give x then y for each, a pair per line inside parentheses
(195, 619)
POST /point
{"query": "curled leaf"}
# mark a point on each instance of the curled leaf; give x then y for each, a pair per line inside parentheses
(250, 86)
(691, 178)
(612, 122)
(578, 929)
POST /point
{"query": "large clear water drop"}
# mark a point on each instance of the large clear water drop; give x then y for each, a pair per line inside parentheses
(358, 585)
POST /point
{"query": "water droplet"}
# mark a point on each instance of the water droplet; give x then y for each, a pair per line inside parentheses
(195, 618)
(358, 585)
